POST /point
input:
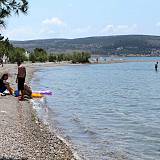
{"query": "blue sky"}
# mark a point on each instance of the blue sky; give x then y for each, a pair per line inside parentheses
(83, 18)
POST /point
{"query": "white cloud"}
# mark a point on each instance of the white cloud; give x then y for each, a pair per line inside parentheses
(108, 29)
(122, 27)
(46, 31)
(81, 30)
(119, 29)
(66, 31)
(24, 32)
(53, 21)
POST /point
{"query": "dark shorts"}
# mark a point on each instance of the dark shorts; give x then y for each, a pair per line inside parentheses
(21, 82)
(2, 89)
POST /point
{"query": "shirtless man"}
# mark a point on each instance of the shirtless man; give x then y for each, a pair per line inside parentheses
(21, 79)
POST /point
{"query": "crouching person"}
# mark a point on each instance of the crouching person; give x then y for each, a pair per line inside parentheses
(4, 85)
(27, 91)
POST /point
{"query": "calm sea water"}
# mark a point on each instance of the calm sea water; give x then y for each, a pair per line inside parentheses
(103, 58)
(109, 111)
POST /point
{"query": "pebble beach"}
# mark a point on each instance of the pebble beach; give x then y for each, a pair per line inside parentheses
(22, 135)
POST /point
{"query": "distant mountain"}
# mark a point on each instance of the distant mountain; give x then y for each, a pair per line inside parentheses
(104, 45)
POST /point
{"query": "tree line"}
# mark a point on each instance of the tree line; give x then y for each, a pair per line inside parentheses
(15, 54)
(40, 55)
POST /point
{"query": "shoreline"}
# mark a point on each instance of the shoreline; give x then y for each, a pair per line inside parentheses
(23, 135)
(52, 129)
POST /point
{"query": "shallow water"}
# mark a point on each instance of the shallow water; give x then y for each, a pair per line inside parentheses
(109, 111)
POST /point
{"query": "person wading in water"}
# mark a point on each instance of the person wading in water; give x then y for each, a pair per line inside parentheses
(156, 66)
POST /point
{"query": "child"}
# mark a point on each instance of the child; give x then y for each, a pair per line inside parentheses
(21, 79)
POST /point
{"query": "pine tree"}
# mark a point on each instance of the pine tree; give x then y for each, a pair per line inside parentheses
(10, 7)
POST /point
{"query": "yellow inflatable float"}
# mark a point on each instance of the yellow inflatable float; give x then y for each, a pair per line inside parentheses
(37, 95)
(34, 95)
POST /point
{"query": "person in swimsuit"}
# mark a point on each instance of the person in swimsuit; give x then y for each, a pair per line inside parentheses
(21, 79)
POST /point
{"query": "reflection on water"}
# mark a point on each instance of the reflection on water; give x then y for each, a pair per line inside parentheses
(108, 111)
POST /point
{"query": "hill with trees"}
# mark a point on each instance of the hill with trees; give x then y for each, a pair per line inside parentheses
(104, 45)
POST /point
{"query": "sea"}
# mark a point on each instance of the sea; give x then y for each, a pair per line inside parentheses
(104, 111)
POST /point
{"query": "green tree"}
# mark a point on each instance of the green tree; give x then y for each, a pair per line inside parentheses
(18, 54)
(80, 57)
(7, 9)
(5, 47)
(52, 58)
(60, 57)
(32, 58)
(8, 46)
(10, 7)
(40, 55)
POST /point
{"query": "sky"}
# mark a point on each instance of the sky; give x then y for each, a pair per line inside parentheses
(84, 18)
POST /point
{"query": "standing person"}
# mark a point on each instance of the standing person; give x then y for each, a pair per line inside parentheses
(156, 66)
(21, 79)
(97, 59)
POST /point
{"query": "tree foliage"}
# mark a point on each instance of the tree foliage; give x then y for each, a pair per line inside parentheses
(14, 54)
(52, 58)
(18, 54)
(10, 7)
(75, 57)
(39, 55)
(32, 58)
